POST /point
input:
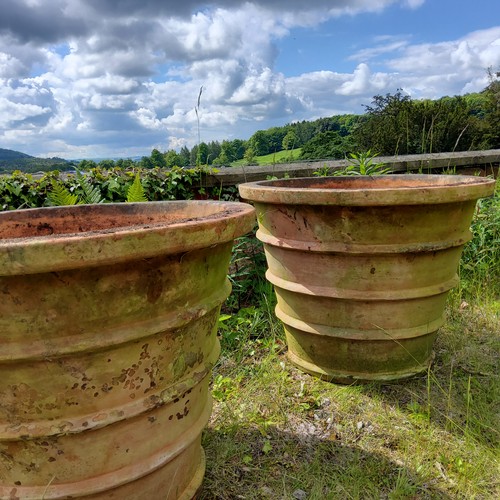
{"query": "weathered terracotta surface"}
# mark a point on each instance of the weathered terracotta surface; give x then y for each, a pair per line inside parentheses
(362, 266)
(107, 334)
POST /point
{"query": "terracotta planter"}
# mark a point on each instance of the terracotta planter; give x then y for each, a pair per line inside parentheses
(107, 326)
(362, 266)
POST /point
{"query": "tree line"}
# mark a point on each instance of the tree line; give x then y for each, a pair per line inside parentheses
(393, 124)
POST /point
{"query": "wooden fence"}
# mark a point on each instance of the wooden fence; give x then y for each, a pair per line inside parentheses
(470, 162)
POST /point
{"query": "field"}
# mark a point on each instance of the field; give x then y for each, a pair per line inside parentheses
(279, 157)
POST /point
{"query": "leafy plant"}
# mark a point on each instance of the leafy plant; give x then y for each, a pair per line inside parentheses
(480, 262)
(98, 185)
(89, 194)
(361, 164)
(364, 164)
(135, 192)
(60, 196)
(247, 273)
(324, 171)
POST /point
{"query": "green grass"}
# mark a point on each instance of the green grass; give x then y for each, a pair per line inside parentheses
(278, 157)
(275, 430)
(280, 434)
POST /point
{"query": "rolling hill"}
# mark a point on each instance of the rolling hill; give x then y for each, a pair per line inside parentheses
(11, 160)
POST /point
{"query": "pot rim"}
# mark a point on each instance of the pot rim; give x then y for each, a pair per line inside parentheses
(363, 190)
(69, 237)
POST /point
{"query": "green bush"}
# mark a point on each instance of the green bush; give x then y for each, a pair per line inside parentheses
(21, 190)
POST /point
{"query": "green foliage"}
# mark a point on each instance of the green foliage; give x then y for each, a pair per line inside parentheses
(289, 140)
(247, 274)
(21, 190)
(364, 164)
(395, 124)
(491, 108)
(135, 193)
(249, 156)
(480, 263)
(158, 159)
(80, 191)
(324, 171)
(89, 194)
(325, 145)
(103, 186)
(60, 196)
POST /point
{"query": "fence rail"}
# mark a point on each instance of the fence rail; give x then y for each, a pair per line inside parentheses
(482, 162)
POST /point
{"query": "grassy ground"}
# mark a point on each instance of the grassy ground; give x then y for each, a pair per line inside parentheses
(278, 157)
(278, 433)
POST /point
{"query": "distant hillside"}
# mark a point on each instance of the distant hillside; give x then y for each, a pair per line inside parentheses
(11, 160)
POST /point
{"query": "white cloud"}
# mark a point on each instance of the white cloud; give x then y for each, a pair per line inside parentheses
(384, 45)
(414, 4)
(360, 82)
(11, 112)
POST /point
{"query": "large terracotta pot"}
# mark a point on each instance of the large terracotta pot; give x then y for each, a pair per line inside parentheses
(362, 265)
(107, 326)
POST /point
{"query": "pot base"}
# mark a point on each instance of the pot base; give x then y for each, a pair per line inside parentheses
(346, 361)
(346, 378)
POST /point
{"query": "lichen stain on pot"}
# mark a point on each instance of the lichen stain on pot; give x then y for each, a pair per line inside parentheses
(361, 266)
(107, 355)
(154, 285)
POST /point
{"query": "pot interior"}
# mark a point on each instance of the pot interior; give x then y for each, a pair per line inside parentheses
(399, 189)
(113, 217)
(374, 182)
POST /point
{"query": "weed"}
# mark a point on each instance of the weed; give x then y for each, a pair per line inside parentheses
(361, 164)
(324, 171)
(480, 264)
(364, 164)
(247, 274)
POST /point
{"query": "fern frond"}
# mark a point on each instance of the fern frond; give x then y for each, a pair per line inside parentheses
(135, 192)
(91, 194)
(60, 196)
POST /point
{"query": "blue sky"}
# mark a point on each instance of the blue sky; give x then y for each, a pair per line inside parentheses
(117, 78)
(332, 44)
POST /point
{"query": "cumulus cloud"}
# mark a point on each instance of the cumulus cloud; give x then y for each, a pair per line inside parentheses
(119, 76)
(454, 66)
(19, 112)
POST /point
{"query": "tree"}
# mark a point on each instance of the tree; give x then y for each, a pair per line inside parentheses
(87, 165)
(106, 164)
(226, 155)
(492, 111)
(124, 163)
(395, 124)
(386, 127)
(289, 140)
(146, 162)
(199, 154)
(249, 156)
(214, 149)
(185, 156)
(238, 148)
(173, 159)
(326, 145)
(259, 143)
(157, 159)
